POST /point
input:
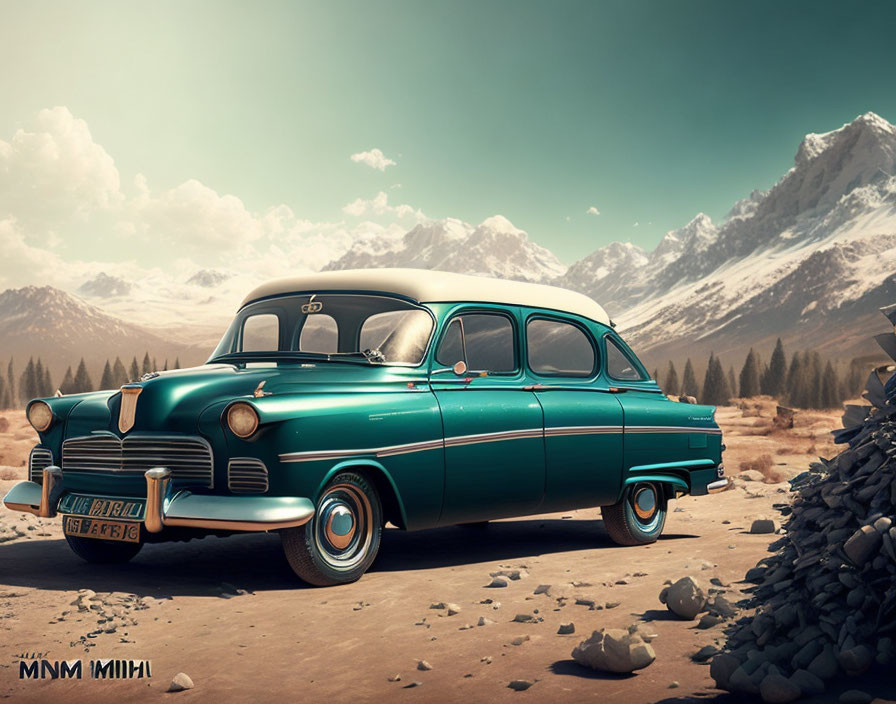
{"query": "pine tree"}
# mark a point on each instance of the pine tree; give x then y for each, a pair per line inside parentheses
(815, 372)
(854, 381)
(689, 381)
(749, 376)
(135, 371)
(176, 363)
(3, 394)
(656, 376)
(11, 382)
(732, 382)
(715, 385)
(107, 381)
(775, 380)
(792, 383)
(671, 386)
(39, 379)
(68, 382)
(830, 387)
(147, 364)
(48, 389)
(82, 381)
(28, 383)
(119, 374)
(165, 368)
(155, 366)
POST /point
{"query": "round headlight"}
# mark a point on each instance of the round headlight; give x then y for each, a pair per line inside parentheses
(40, 416)
(242, 420)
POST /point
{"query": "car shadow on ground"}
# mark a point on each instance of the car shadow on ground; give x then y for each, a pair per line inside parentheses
(212, 566)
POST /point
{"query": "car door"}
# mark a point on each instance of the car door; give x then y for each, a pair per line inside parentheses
(494, 450)
(583, 419)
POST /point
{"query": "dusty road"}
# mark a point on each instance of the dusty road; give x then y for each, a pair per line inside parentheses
(230, 614)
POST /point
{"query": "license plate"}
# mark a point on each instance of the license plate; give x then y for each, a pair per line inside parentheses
(101, 507)
(101, 530)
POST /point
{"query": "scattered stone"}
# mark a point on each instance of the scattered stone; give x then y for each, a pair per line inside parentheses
(777, 689)
(438, 605)
(487, 659)
(674, 685)
(524, 618)
(453, 609)
(483, 621)
(705, 653)
(520, 685)
(762, 525)
(498, 582)
(519, 640)
(512, 575)
(412, 685)
(685, 598)
(566, 628)
(180, 683)
(585, 602)
(423, 665)
(394, 678)
(543, 589)
(863, 545)
(614, 650)
(612, 604)
(751, 475)
(709, 621)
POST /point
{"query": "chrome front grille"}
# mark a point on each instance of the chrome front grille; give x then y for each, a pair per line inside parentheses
(188, 458)
(246, 475)
(38, 460)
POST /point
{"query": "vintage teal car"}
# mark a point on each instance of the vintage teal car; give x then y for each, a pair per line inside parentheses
(337, 402)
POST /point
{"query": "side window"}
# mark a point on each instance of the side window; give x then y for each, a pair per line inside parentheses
(452, 348)
(558, 348)
(619, 366)
(261, 333)
(399, 335)
(319, 334)
(485, 340)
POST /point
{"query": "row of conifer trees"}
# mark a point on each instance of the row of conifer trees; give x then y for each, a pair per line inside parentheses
(806, 381)
(35, 380)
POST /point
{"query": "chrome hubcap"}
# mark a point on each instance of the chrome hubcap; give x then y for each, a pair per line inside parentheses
(343, 526)
(645, 504)
(340, 526)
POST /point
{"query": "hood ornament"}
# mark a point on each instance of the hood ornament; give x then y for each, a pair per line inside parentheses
(259, 390)
(149, 375)
(128, 410)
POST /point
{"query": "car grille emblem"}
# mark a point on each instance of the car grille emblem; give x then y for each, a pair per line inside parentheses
(128, 410)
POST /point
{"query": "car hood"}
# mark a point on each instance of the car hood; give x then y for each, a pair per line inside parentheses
(173, 401)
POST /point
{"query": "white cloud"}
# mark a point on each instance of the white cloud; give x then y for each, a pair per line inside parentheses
(636, 223)
(592, 211)
(379, 205)
(56, 170)
(374, 158)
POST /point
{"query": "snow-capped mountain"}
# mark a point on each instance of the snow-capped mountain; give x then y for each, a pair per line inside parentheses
(810, 259)
(60, 328)
(495, 247)
(104, 286)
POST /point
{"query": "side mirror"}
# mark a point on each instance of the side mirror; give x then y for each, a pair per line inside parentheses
(460, 368)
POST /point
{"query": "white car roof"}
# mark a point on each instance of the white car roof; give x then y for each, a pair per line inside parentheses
(425, 286)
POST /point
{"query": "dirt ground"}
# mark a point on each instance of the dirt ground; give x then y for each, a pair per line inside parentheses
(230, 614)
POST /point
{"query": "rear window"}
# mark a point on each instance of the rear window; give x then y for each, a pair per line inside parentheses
(556, 348)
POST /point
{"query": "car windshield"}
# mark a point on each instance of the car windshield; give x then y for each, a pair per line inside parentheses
(365, 328)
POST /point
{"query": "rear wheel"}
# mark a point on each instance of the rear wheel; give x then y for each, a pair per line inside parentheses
(102, 552)
(639, 517)
(340, 543)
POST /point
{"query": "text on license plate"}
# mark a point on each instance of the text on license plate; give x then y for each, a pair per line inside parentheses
(103, 530)
(96, 507)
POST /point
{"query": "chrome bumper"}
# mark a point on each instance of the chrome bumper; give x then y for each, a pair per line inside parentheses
(181, 508)
(717, 486)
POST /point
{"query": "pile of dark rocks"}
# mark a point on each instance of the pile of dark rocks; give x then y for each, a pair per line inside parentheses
(826, 598)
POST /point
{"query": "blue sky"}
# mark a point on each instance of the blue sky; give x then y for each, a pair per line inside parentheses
(648, 111)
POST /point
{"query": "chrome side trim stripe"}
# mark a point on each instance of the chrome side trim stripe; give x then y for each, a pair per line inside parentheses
(479, 438)
(583, 430)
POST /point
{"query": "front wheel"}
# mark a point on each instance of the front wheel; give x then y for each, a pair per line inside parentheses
(340, 543)
(639, 517)
(102, 552)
